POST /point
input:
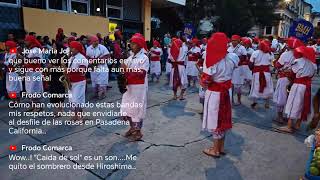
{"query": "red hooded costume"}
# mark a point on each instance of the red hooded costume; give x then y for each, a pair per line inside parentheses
(216, 51)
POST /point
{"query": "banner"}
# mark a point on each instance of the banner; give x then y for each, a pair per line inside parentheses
(189, 31)
(301, 29)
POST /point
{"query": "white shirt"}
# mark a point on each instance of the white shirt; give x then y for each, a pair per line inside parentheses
(286, 59)
(260, 58)
(303, 68)
(140, 61)
(34, 53)
(239, 50)
(97, 52)
(8, 58)
(157, 49)
(222, 71)
(78, 60)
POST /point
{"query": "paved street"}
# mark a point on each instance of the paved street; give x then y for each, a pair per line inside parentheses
(172, 144)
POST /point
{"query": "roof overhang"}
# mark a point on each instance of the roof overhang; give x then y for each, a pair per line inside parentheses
(167, 3)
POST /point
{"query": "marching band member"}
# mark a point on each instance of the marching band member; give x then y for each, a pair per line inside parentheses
(261, 86)
(237, 76)
(76, 67)
(33, 81)
(218, 68)
(155, 57)
(135, 69)
(13, 84)
(193, 56)
(299, 99)
(283, 65)
(178, 76)
(98, 56)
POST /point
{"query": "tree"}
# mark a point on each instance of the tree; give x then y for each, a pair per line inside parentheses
(235, 16)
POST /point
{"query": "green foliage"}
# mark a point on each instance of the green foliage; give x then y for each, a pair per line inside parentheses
(236, 16)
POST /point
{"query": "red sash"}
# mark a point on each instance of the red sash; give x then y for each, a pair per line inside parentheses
(282, 74)
(243, 60)
(224, 114)
(136, 77)
(76, 77)
(307, 96)
(262, 79)
(156, 56)
(32, 66)
(176, 75)
(194, 57)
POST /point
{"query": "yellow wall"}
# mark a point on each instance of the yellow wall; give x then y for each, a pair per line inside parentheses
(146, 14)
(45, 22)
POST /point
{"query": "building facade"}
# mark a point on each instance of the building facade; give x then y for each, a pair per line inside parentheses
(287, 11)
(86, 17)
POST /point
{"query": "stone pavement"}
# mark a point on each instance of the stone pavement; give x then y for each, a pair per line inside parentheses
(171, 147)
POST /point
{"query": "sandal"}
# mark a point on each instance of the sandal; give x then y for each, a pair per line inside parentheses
(253, 105)
(286, 129)
(129, 132)
(207, 152)
(221, 153)
(135, 135)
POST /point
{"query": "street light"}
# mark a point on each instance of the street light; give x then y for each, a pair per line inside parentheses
(287, 1)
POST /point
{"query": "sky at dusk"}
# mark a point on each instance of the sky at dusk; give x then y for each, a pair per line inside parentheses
(315, 4)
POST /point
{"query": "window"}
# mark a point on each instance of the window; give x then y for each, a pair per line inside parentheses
(115, 3)
(58, 5)
(9, 1)
(79, 6)
(269, 30)
(34, 3)
(132, 10)
(114, 13)
(98, 7)
(115, 9)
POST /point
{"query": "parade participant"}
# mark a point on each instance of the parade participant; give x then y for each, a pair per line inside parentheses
(178, 76)
(33, 78)
(135, 69)
(55, 85)
(168, 64)
(217, 117)
(98, 56)
(316, 112)
(155, 57)
(283, 65)
(60, 35)
(202, 90)
(317, 49)
(203, 46)
(261, 86)
(13, 84)
(76, 67)
(237, 76)
(299, 99)
(193, 56)
(255, 43)
(244, 64)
